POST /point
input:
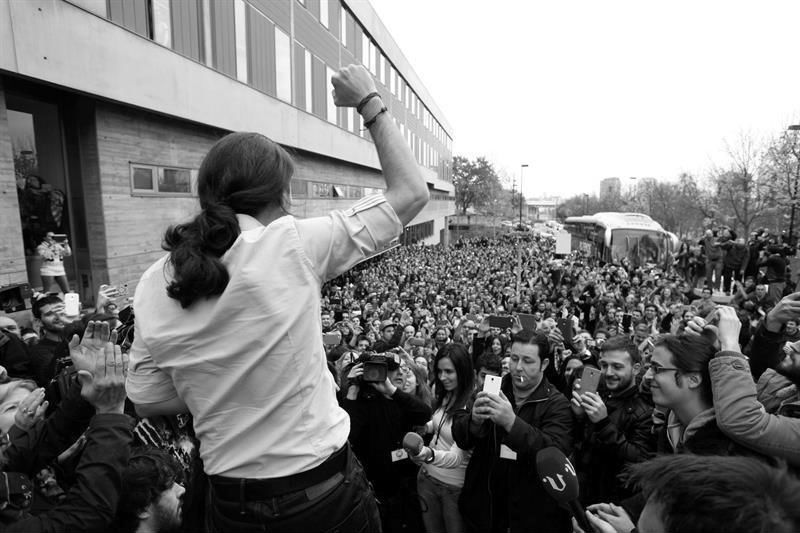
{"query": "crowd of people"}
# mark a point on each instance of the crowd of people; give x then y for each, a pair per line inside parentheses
(673, 378)
(280, 376)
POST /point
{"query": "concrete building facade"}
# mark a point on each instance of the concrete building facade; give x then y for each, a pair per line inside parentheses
(107, 108)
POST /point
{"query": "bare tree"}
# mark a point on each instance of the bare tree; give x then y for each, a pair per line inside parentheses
(743, 198)
(782, 171)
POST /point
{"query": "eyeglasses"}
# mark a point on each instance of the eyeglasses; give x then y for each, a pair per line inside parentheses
(657, 369)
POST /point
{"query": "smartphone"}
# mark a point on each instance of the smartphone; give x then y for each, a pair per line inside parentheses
(501, 322)
(334, 337)
(416, 342)
(590, 379)
(565, 326)
(527, 321)
(627, 319)
(72, 304)
(492, 384)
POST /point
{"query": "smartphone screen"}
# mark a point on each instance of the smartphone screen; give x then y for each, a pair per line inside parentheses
(590, 379)
(492, 384)
(626, 321)
(501, 322)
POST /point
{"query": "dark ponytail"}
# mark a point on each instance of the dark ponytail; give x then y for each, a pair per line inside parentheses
(242, 173)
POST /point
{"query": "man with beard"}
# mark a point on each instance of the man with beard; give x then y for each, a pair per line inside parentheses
(617, 427)
(152, 495)
(764, 417)
(50, 320)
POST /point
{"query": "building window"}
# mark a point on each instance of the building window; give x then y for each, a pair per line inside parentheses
(240, 18)
(299, 188)
(309, 85)
(175, 180)
(162, 24)
(373, 58)
(321, 190)
(283, 66)
(343, 26)
(392, 80)
(323, 12)
(142, 178)
(329, 95)
(384, 74)
(365, 50)
(162, 181)
(356, 122)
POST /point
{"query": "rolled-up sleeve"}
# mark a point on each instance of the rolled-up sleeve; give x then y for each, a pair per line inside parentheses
(342, 239)
(146, 383)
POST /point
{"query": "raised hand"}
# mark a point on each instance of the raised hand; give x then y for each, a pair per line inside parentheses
(85, 352)
(351, 84)
(104, 385)
(31, 410)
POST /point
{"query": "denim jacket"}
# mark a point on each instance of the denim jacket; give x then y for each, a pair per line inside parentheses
(742, 416)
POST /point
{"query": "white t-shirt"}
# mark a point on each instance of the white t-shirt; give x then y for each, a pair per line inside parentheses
(250, 363)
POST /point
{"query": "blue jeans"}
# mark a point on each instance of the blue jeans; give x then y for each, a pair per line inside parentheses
(346, 503)
(439, 501)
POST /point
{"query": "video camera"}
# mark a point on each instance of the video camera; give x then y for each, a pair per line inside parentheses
(377, 365)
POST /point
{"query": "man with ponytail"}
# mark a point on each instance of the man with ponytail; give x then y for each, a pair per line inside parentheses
(228, 328)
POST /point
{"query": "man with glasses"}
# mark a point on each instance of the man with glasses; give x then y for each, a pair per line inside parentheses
(680, 381)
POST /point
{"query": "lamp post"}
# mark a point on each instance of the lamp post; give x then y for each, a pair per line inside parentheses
(521, 195)
(794, 127)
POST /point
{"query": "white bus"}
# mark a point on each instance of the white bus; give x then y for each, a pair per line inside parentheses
(612, 237)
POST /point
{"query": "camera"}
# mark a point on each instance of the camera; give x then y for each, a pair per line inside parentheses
(377, 365)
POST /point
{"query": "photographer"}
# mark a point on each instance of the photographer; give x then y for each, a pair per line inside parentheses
(380, 415)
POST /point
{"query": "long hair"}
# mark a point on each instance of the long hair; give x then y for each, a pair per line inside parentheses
(242, 173)
(462, 362)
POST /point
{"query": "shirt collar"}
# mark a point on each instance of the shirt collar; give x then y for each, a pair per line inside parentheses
(246, 222)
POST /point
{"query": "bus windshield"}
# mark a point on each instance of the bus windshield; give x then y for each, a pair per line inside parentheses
(639, 246)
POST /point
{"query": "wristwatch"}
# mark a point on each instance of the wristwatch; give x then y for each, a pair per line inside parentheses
(430, 459)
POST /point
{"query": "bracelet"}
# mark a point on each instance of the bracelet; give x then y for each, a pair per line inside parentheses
(366, 99)
(368, 124)
(431, 458)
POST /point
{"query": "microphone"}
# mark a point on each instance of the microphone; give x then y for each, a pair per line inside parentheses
(561, 482)
(413, 443)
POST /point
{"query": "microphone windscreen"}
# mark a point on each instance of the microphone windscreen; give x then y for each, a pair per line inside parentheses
(557, 475)
(413, 443)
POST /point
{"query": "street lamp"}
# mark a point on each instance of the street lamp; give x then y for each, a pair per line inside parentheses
(794, 127)
(521, 195)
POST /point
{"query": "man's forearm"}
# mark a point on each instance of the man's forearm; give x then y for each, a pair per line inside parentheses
(406, 190)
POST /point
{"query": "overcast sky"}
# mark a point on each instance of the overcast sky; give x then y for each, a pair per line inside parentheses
(583, 90)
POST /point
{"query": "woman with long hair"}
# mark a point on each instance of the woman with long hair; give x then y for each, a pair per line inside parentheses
(443, 463)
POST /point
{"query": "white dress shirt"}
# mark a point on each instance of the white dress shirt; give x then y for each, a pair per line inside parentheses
(250, 363)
